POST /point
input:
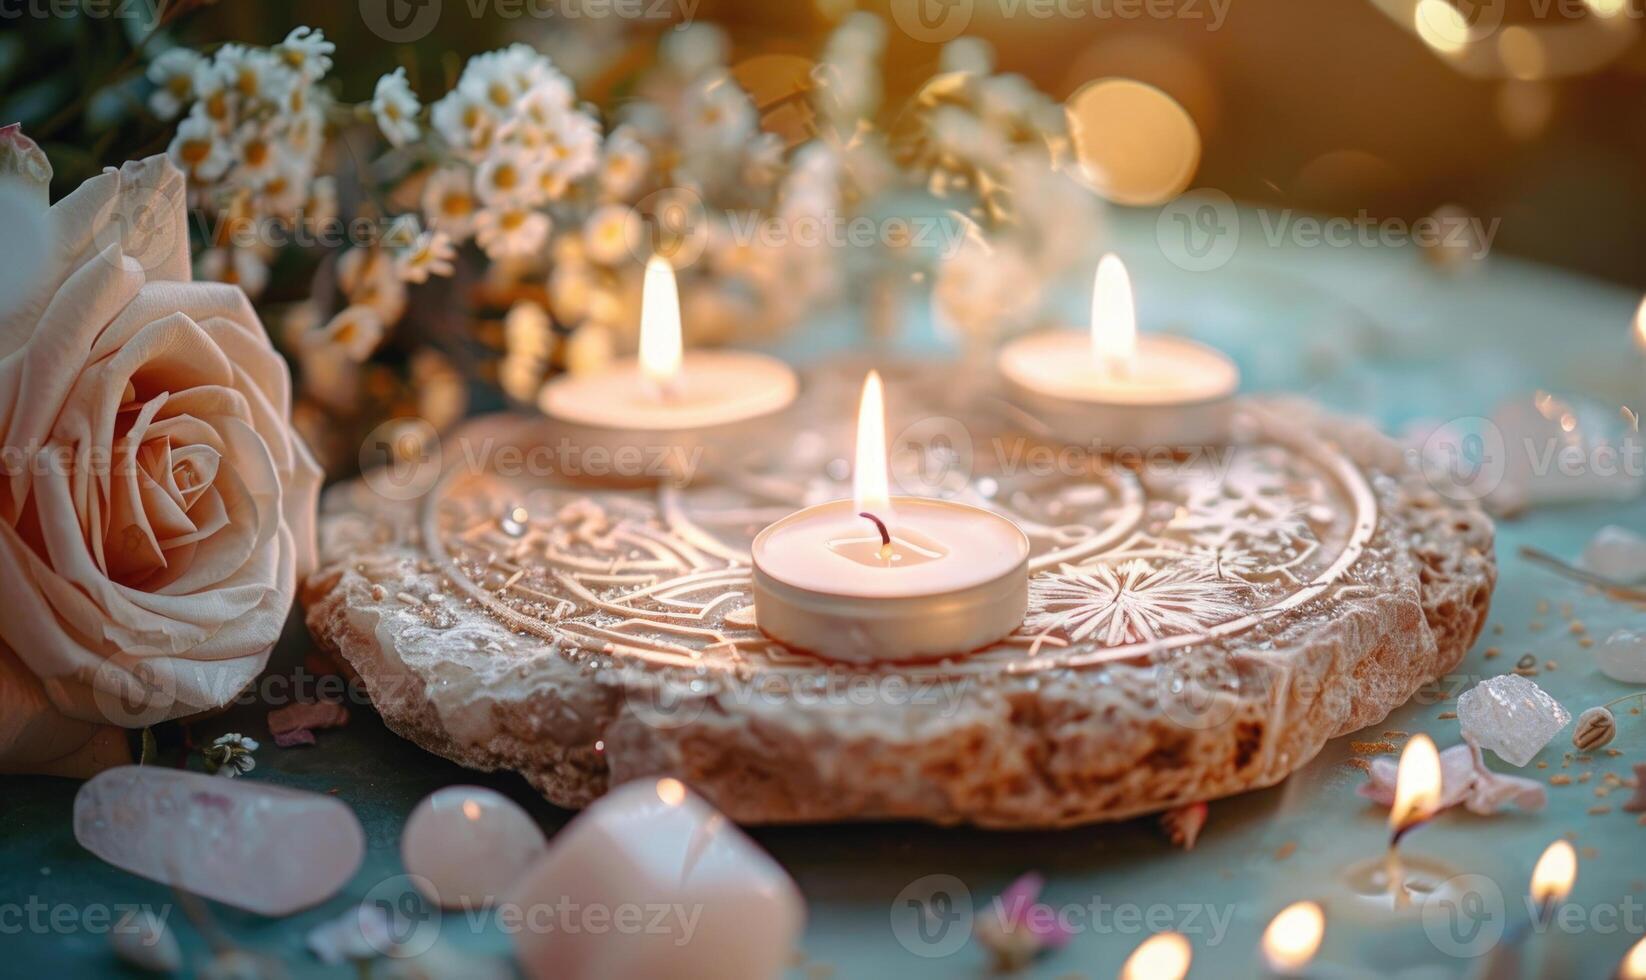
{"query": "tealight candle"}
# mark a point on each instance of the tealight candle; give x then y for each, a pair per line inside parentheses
(1292, 938)
(1633, 966)
(1163, 956)
(1388, 881)
(1116, 386)
(889, 578)
(665, 389)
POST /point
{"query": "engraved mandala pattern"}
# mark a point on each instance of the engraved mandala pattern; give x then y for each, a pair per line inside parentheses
(1125, 563)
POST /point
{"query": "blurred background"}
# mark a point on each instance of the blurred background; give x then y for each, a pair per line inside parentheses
(1527, 112)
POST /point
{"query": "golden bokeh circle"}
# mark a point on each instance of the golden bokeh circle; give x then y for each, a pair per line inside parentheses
(1134, 143)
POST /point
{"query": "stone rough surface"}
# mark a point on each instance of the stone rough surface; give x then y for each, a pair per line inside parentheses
(1299, 591)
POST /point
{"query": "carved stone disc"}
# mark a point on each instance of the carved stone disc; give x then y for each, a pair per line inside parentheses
(1198, 625)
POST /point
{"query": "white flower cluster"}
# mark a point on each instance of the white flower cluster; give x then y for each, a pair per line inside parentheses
(250, 137)
(373, 280)
(514, 142)
(688, 172)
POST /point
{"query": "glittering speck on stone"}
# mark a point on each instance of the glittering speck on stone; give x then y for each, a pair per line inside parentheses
(1512, 716)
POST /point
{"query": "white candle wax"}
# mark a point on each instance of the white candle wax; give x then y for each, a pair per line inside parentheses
(664, 389)
(918, 579)
(1114, 386)
(713, 388)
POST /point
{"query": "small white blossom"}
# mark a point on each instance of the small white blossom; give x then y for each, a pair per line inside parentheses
(506, 177)
(396, 108)
(198, 148)
(367, 277)
(465, 124)
(624, 164)
(256, 157)
(573, 148)
(356, 332)
(449, 202)
(611, 233)
(173, 75)
(236, 266)
(307, 52)
(230, 755)
(511, 231)
(431, 254)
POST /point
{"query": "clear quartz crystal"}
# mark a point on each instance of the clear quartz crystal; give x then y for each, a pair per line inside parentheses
(1623, 657)
(1511, 716)
(1617, 553)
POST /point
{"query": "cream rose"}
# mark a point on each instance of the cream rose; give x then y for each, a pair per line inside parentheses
(156, 507)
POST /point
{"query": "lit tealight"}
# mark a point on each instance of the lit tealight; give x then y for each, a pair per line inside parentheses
(1633, 966)
(1554, 874)
(666, 388)
(660, 344)
(1417, 786)
(1163, 956)
(1115, 387)
(1293, 937)
(879, 577)
(1114, 317)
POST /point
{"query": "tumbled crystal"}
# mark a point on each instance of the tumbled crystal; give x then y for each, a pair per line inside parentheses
(1616, 553)
(142, 940)
(265, 849)
(1512, 716)
(469, 845)
(1622, 657)
(654, 882)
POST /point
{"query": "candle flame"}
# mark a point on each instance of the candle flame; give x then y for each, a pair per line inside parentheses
(1417, 784)
(1163, 956)
(871, 491)
(1633, 966)
(1114, 315)
(1555, 872)
(660, 327)
(1640, 326)
(1294, 936)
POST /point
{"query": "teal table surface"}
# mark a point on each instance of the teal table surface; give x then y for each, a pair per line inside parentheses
(1367, 330)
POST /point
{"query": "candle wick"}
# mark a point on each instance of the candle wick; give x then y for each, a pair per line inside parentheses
(885, 535)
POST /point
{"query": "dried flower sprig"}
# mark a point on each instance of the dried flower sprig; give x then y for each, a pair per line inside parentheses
(231, 755)
(1597, 726)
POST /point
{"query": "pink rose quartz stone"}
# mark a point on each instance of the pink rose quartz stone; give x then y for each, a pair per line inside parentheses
(650, 881)
(468, 846)
(265, 849)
